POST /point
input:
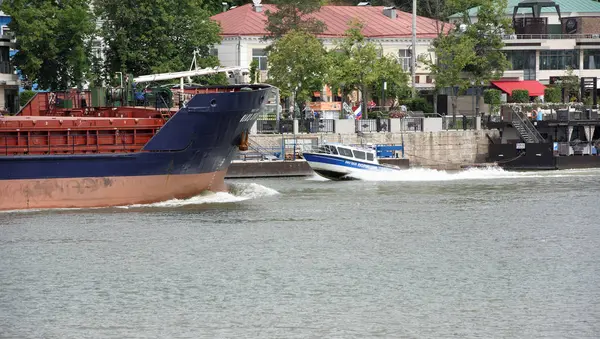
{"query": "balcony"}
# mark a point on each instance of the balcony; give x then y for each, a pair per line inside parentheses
(530, 25)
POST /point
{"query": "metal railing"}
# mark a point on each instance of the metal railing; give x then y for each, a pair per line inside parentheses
(462, 122)
(316, 126)
(549, 36)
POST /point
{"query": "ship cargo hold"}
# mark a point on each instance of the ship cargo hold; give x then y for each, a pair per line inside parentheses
(111, 147)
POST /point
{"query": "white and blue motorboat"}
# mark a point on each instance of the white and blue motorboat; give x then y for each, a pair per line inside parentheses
(343, 162)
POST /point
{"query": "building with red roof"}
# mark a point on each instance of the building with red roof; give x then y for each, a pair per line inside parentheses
(243, 32)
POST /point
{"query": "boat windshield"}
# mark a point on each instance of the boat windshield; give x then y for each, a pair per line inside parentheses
(345, 152)
(328, 149)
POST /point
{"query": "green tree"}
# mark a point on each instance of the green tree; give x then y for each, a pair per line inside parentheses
(453, 51)
(395, 78)
(570, 85)
(493, 97)
(52, 40)
(25, 96)
(155, 36)
(357, 64)
(297, 72)
(292, 15)
(489, 62)
(552, 94)
(254, 71)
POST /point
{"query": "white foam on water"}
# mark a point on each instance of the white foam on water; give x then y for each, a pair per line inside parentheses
(317, 177)
(237, 192)
(425, 174)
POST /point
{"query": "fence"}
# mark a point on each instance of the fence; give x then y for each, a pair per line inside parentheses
(461, 123)
(396, 125)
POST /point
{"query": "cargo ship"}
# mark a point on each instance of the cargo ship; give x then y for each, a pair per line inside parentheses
(567, 137)
(110, 147)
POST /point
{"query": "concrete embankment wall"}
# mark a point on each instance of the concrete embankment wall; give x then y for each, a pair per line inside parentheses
(441, 150)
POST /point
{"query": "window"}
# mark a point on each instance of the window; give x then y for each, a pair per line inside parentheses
(429, 79)
(333, 150)
(260, 55)
(404, 59)
(559, 59)
(213, 52)
(345, 152)
(417, 79)
(591, 58)
(359, 155)
(370, 156)
(516, 60)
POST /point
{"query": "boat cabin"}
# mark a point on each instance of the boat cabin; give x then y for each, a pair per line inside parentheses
(349, 152)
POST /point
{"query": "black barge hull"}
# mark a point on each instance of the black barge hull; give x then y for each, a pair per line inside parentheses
(537, 157)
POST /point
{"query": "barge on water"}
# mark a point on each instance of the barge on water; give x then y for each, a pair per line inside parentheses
(564, 137)
(102, 147)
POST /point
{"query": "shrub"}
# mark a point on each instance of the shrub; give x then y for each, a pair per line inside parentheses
(552, 94)
(419, 104)
(492, 97)
(520, 95)
(25, 96)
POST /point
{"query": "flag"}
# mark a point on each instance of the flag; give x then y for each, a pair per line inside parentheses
(358, 112)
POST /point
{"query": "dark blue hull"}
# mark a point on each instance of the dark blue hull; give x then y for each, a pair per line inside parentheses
(200, 138)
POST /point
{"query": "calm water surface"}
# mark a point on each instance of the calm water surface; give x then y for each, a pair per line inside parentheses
(426, 254)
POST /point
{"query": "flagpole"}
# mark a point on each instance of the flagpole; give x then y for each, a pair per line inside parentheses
(413, 61)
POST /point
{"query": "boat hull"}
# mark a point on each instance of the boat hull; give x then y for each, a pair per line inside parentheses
(336, 168)
(105, 191)
(538, 157)
(189, 154)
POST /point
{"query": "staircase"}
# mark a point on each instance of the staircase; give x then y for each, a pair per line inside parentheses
(525, 128)
(258, 152)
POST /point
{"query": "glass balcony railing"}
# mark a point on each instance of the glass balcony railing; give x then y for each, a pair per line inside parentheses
(550, 36)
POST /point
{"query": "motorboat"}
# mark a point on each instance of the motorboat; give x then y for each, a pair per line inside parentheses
(336, 161)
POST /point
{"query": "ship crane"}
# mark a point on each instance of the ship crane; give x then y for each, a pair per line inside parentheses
(193, 72)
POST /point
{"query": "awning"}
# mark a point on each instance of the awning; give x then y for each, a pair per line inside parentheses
(534, 87)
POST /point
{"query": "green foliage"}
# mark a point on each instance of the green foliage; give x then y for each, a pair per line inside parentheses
(492, 97)
(489, 62)
(520, 95)
(25, 96)
(52, 40)
(155, 36)
(570, 84)
(291, 16)
(396, 78)
(418, 104)
(454, 51)
(355, 64)
(297, 71)
(254, 71)
(552, 94)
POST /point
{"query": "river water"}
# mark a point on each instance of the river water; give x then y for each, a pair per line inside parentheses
(422, 254)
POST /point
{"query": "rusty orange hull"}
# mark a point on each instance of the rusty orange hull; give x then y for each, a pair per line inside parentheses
(105, 191)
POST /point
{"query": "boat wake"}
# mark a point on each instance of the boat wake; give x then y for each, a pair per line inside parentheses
(237, 192)
(425, 174)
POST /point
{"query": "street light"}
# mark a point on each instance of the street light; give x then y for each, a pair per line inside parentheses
(473, 96)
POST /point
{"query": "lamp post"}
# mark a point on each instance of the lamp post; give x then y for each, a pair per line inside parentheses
(413, 55)
(473, 95)
(477, 90)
